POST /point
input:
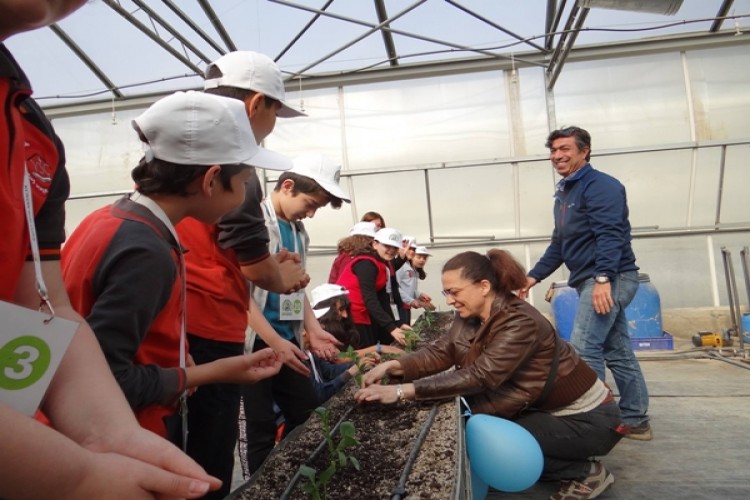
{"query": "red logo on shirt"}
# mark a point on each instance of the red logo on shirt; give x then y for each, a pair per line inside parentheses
(40, 172)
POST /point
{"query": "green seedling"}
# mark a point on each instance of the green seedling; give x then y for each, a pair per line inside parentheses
(412, 338)
(317, 484)
(351, 354)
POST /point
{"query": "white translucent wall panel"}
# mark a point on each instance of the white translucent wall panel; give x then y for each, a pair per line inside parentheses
(719, 80)
(76, 210)
(533, 106)
(473, 202)
(318, 132)
(536, 189)
(679, 268)
(431, 120)
(400, 197)
(735, 206)
(706, 187)
(100, 153)
(657, 185)
(635, 101)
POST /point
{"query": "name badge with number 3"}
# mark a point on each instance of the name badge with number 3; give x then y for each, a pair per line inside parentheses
(30, 352)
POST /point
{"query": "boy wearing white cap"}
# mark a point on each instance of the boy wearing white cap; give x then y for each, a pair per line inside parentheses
(408, 280)
(123, 265)
(309, 185)
(222, 258)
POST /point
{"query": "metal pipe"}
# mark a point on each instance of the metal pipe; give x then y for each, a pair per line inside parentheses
(217, 24)
(721, 15)
(390, 46)
(187, 20)
(301, 32)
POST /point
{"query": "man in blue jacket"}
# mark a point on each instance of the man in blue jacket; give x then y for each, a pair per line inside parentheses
(592, 238)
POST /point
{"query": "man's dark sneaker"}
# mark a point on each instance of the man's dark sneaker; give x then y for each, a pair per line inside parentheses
(641, 432)
(598, 480)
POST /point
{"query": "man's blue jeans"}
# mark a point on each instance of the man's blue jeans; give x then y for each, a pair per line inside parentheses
(602, 340)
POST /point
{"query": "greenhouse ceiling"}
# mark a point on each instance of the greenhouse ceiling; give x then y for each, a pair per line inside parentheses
(116, 51)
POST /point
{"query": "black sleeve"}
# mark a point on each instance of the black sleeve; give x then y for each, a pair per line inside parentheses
(244, 228)
(132, 284)
(367, 272)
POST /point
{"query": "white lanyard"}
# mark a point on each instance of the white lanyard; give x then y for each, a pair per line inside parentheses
(159, 213)
(312, 365)
(268, 207)
(28, 206)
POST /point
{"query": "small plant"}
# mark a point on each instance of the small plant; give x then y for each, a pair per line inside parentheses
(317, 485)
(411, 337)
(352, 355)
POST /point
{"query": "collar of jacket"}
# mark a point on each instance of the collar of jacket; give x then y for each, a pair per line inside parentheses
(563, 183)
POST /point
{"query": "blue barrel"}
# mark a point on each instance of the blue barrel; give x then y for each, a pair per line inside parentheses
(643, 313)
(564, 305)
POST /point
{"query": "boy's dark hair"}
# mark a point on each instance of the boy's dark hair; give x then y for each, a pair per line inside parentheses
(306, 185)
(233, 92)
(163, 177)
(582, 137)
(332, 322)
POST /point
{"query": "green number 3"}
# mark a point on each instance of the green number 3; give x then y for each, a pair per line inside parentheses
(23, 361)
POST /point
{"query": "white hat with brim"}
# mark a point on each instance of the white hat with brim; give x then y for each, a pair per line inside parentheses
(364, 229)
(421, 251)
(324, 292)
(249, 70)
(194, 128)
(322, 170)
(389, 236)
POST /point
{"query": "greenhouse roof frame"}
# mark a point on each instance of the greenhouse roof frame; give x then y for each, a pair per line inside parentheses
(335, 40)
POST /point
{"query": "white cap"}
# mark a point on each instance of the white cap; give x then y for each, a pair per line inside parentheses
(194, 128)
(389, 236)
(411, 239)
(324, 292)
(422, 251)
(252, 71)
(322, 170)
(364, 229)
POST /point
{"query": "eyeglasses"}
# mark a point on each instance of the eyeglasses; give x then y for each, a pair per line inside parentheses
(452, 292)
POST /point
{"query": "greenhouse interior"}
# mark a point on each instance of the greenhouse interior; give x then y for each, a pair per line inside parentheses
(438, 112)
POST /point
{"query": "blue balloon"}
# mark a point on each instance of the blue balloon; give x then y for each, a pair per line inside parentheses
(502, 453)
(479, 488)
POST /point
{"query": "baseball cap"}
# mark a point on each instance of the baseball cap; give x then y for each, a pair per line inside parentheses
(322, 170)
(244, 69)
(411, 239)
(324, 292)
(194, 128)
(389, 236)
(422, 251)
(364, 229)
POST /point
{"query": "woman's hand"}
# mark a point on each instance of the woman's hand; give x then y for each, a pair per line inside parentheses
(380, 371)
(386, 394)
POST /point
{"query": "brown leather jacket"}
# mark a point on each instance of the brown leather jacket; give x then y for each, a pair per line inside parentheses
(502, 365)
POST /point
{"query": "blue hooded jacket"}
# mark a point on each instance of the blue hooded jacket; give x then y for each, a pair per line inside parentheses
(592, 231)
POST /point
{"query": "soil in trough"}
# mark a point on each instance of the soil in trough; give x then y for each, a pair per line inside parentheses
(386, 434)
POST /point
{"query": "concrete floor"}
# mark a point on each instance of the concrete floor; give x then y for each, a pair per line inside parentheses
(700, 417)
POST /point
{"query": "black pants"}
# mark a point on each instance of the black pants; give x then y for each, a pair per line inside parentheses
(568, 442)
(213, 412)
(295, 396)
(404, 316)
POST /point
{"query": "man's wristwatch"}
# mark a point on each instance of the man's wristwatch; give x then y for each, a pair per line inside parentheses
(601, 278)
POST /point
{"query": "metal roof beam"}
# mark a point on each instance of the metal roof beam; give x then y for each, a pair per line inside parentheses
(392, 30)
(171, 29)
(390, 47)
(723, 11)
(153, 36)
(218, 26)
(565, 44)
(302, 32)
(369, 32)
(57, 30)
(197, 29)
(495, 25)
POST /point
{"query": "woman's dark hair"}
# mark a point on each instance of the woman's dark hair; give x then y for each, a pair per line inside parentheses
(352, 243)
(504, 273)
(371, 216)
(163, 177)
(367, 249)
(306, 185)
(332, 322)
